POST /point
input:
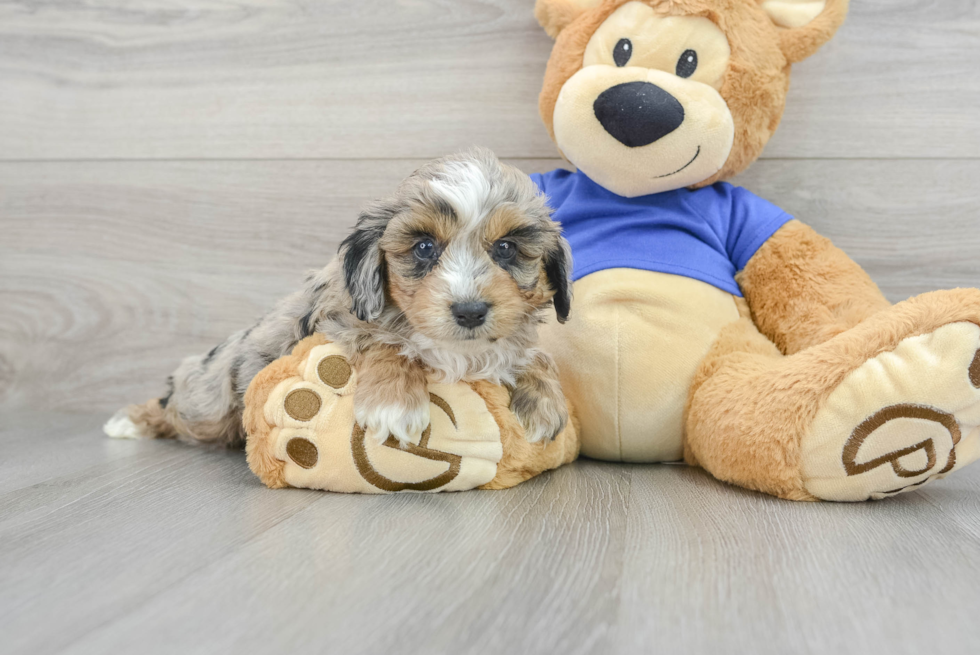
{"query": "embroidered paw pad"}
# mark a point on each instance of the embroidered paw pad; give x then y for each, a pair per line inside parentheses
(308, 425)
(902, 419)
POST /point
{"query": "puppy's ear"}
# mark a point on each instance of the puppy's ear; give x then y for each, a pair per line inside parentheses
(558, 268)
(804, 25)
(556, 15)
(364, 263)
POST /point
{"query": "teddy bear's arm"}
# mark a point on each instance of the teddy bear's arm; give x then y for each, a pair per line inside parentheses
(803, 290)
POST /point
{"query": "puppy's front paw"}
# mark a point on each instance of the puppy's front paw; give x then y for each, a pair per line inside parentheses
(405, 421)
(542, 415)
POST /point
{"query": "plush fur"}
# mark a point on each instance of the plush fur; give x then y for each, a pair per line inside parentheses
(261, 459)
(803, 290)
(395, 311)
(557, 15)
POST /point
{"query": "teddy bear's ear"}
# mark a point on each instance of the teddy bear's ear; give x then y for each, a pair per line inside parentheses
(556, 15)
(804, 25)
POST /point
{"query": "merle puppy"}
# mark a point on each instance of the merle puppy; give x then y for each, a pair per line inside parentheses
(448, 278)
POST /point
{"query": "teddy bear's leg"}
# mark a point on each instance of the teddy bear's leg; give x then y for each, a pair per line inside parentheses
(803, 290)
(883, 407)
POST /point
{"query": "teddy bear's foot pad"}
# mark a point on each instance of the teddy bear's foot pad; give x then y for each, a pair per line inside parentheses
(900, 420)
(309, 427)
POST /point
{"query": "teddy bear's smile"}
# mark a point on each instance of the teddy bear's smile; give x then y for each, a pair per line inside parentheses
(696, 155)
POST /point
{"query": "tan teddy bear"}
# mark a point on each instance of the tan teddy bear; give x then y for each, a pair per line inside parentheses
(708, 325)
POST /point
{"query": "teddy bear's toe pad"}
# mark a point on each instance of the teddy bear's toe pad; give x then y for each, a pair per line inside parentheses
(900, 420)
(303, 452)
(314, 434)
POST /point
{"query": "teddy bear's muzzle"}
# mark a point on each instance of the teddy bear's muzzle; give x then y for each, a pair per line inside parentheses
(638, 113)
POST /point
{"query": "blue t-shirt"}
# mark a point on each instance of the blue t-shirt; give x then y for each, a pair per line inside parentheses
(708, 234)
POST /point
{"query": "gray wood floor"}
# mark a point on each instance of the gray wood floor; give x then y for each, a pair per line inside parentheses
(168, 169)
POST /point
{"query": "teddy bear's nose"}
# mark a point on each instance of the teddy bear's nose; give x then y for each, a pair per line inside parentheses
(638, 113)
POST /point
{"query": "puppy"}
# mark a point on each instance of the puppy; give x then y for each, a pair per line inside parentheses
(450, 277)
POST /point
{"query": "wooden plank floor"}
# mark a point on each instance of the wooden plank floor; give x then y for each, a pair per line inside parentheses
(167, 170)
(153, 547)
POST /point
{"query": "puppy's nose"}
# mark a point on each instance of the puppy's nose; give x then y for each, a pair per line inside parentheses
(638, 113)
(470, 314)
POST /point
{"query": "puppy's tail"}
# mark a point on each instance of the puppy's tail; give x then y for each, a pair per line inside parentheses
(146, 421)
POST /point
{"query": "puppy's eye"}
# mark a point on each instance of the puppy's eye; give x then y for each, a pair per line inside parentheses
(424, 250)
(687, 64)
(622, 52)
(504, 251)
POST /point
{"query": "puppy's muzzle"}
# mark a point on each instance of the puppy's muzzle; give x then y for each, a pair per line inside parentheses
(638, 113)
(470, 314)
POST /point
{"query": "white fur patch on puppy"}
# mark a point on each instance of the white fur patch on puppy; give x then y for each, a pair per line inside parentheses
(404, 423)
(121, 427)
(462, 270)
(466, 188)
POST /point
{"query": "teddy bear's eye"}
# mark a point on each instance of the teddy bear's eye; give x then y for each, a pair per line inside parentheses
(687, 64)
(622, 52)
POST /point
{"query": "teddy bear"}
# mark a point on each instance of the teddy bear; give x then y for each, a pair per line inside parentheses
(708, 325)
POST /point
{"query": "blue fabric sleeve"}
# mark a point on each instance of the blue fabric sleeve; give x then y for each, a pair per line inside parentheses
(754, 220)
